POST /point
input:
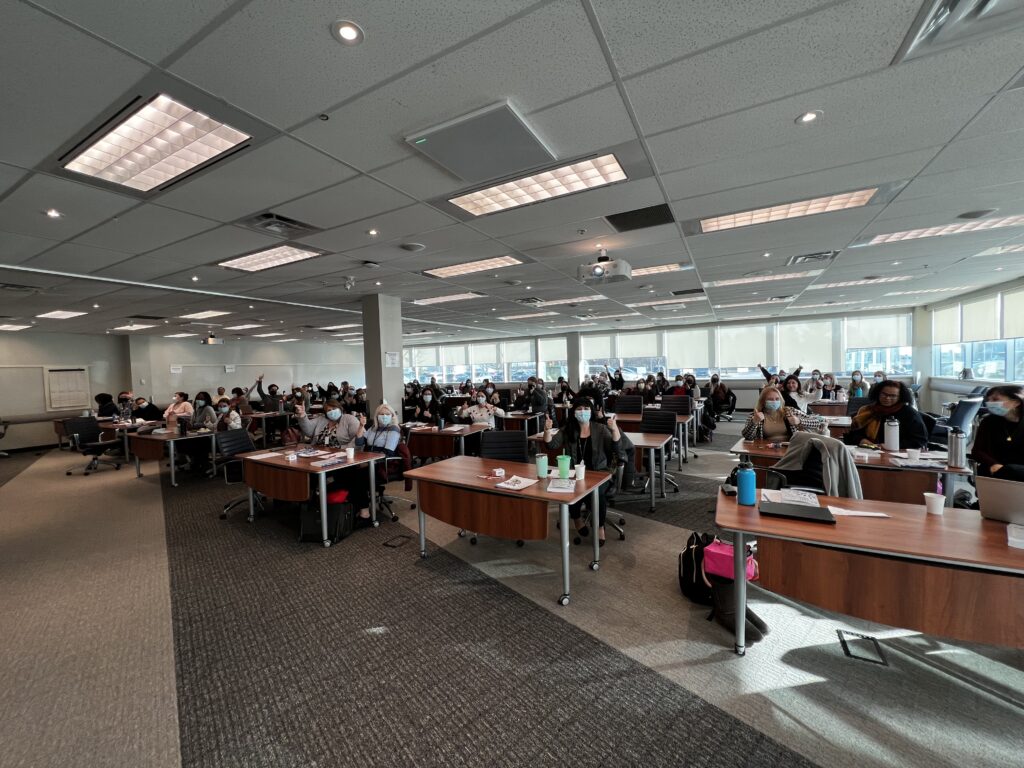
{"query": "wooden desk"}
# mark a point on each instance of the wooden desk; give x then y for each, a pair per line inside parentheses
(151, 448)
(827, 407)
(263, 416)
(521, 421)
(126, 428)
(651, 442)
(630, 422)
(838, 425)
(61, 433)
(276, 477)
(880, 479)
(952, 575)
(454, 492)
(428, 442)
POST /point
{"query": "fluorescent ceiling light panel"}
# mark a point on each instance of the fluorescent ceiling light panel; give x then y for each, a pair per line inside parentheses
(272, 257)
(132, 327)
(763, 278)
(157, 143)
(179, 335)
(932, 290)
(854, 283)
(677, 300)
(609, 317)
(585, 174)
(339, 327)
(14, 327)
(473, 266)
(243, 327)
(450, 297)
(577, 300)
(753, 303)
(797, 307)
(422, 333)
(661, 269)
(351, 333)
(527, 317)
(265, 335)
(977, 225)
(785, 211)
(60, 314)
(281, 341)
(1000, 249)
(577, 325)
(203, 315)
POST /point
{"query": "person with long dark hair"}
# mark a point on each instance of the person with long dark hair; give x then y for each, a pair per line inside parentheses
(999, 441)
(890, 399)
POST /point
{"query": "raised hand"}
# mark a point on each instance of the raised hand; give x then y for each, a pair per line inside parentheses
(548, 424)
(362, 420)
(758, 416)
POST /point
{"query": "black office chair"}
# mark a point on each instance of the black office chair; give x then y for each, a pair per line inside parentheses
(661, 422)
(84, 435)
(962, 416)
(629, 404)
(394, 469)
(681, 404)
(854, 404)
(501, 446)
(230, 443)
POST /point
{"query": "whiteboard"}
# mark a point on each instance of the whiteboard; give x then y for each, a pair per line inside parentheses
(67, 388)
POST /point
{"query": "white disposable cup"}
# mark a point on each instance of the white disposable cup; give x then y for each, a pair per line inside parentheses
(499, 472)
(350, 453)
(581, 471)
(934, 503)
(913, 454)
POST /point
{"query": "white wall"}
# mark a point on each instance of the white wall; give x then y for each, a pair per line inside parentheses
(22, 358)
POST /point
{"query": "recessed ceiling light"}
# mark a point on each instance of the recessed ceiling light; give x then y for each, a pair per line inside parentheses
(784, 211)
(372, 232)
(95, 306)
(578, 325)
(132, 327)
(245, 327)
(979, 225)
(865, 281)
(808, 118)
(179, 335)
(347, 32)
(203, 315)
(53, 213)
(473, 266)
(764, 278)
(576, 300)
(195, 278)
(160, 141)
(60, 314)
(932, 290)
(271, 257)
(14, 327)
(251, 307)
(281, 341)
(339, 327)
(377, 283)
(526, 317)
(265, 335)
(494, 309)
(450, 297)
(544, 185)
(896, 263)
(999, 269)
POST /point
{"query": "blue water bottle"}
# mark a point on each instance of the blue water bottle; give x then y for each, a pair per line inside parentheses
(746, 486)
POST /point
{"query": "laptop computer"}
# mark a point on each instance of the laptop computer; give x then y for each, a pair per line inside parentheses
(796, 511)
(1001, 500)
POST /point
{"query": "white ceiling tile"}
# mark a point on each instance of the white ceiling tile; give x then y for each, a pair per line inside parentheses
(214, 246)
(140, 268)
(76, 258)
(391, 227)
(419, 177)
(82, 206)
(584, 125)
(15, 248)
(343, 203)
(144, 229)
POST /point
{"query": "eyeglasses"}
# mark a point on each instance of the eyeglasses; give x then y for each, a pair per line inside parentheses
(888, 395)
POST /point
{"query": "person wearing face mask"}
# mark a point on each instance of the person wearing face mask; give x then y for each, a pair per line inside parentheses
(333, 428)
(145, 410)
(858, 388)
(227, 417)
(384, 435)
(642, 390)
(203, 414)
(813, 385)
(427, 409)
(677, 387)
(124, 406)
(593, 444)
(105, 406)
(564, 395)
(615, 380)
(271, 402)
(999, 440)
(180, 406)
(723, 399)
(830, 389)
(772, 419)
(492, 395)
(466, 387)
(661, 384)
(480, 412)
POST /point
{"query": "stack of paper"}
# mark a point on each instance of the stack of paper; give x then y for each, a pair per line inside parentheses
(517, 483)
(562, 486)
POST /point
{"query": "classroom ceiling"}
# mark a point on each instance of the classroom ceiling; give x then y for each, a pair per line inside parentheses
(699, 100)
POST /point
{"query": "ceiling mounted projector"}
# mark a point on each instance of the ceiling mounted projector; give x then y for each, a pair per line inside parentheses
(211, 339)
(604, 271)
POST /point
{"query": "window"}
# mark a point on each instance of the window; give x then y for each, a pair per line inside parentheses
(520, 360)
(741, 348)
(639, 354)
(878, 343)
(485, 362)
(408, 371)
(1013, 315)
(980, 320)
(597, 353)
(454, 363)
(425, 364)
(807, 343)
(948, 359)
(988, 360)
(553, 359)
(946, 325)
(1018, 356)
(687, 352)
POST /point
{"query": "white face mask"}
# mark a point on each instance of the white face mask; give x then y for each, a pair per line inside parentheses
(481, 400)
(334, 414)
(427, 398)
(143, 404)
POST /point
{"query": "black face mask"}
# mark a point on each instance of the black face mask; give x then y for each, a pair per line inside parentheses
(273, 390)
(530, 386)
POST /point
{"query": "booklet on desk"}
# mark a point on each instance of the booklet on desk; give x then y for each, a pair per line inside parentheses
(557, 485)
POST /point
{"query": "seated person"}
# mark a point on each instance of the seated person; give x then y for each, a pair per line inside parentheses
(466, 387)
(678, 387)
(830, 388)
(661, 384)
(332, 428)
(857, 386)
(221, 393)
(203, 413)
(772, 419)
(690, 383)
(240, 400)
(626, 455)
(813, 385)
(124, 405)
(564, 393)
(491, 392)
(494, 398)
(641, 389)
(427, 410)
(227, 417)
(480, 413)
(890, 399)
(180, 406)
(271, 402)
(329, 393)
(593, 444)
(793, 396)
(999, 441)
(105, 406)
(145, 410)
(723, 399)
(382, 437)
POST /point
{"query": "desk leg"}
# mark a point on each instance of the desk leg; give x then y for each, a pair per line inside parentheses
(652, 478)
(126, 453)
(663, 473)
(138, 467)
(373, 494)
(595, 520)
(422, 522)
(321, 479)
(686, 444)
(264, 434)
(563, 530)
(170, 450)
(252, 506)
(462, 445)
(947, 487)
(213, 451)
(740, 586)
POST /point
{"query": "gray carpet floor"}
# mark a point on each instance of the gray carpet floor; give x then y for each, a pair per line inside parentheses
(289, 654)
(18, 462)
(692, 507)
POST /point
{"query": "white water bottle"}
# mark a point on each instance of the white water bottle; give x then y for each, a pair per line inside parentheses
(892, 434)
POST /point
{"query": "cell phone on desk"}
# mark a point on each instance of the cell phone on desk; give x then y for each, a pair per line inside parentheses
(728, 490)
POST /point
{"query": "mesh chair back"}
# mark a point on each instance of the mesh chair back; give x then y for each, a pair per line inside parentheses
(504, 446)
(658, 420)
(82, 430)
(234, 441)
(681, 404)
(978, 391)
(629, 404)
(929, 425)
(854, 404)
(963, 415)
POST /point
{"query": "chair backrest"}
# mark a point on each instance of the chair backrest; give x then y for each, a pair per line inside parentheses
(86, 428)
(504, 446)
(658, 420)
(682, 404)
(629, 404)
(963, 414)
(234, 441)
(854, 404)
(978, 391)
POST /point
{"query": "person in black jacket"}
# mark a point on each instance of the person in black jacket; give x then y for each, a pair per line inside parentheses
(105, 405)
(890, 399)
(999, 442)
(146, 410)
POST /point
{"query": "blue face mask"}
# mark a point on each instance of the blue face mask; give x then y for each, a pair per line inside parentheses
(200, 403)
(223, 409)
(856, 377)
(582, 416)
(384, 419)
(427, 398)
(772, 405)
(334, 414)
(997, 408)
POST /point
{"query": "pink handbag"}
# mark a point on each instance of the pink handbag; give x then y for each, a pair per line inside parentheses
(718, 561)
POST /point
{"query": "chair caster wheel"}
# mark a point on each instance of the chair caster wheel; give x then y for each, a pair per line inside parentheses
(376, 523)
(563, 600)
(327, 542)
(577, 540)
(622, 521)
(462, 534)
(394, 518)
(594, 565)
(473, 541)
(117, 466)
(675, 490)
(223, 515)
(622, 537)
(520, 542)
(412, 506)
(85, 474)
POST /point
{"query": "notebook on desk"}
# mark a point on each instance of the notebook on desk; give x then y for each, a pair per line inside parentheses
(796, 511)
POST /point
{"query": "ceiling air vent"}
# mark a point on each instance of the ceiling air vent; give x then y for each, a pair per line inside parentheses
(529, 300)
(641, 218)
(944, 24)
(15, 288)
(145, 317)
(689, 292)
(812, 258)
(281, 226)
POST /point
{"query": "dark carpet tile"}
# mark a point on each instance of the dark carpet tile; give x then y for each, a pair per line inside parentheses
(290, 654)
(692, 507)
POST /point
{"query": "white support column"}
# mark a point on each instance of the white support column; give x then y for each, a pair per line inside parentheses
(382, 350)
(574, 361)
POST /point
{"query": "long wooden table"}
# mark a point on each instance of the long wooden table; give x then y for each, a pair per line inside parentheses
(880, 478)
(521, 421)
(827, 407)
(276, 477)
(630, 422)
(461, 491)
(151, 448)
(951, 575)
(428, 442)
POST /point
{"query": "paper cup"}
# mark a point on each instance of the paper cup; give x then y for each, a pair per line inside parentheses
(563, 466)
(934, 503)
(914, 454)
(350, 453)
(581, 471)
(499, 472)
(542, 465)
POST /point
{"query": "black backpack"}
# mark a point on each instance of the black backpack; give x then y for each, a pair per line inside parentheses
(691, 571)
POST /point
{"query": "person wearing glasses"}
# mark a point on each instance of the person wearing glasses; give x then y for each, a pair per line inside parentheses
(889, 399)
